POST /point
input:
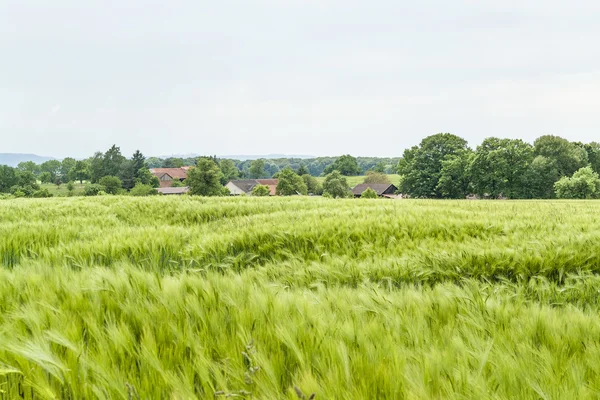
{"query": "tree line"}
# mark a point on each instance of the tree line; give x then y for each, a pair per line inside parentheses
(443, 166)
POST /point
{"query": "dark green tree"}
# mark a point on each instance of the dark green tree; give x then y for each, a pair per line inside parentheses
(312, 184)
(257, 169)
(346, 164)
(139, 161)
(302, 170)
(29, 166)
(290, 183)
(455, 177)
(67, 169)
(173, 162)
(81, 171)
(229, 170)
(540, 178)
(112, 161)
(127, 174)
(593, 151)
(96, 167)
(569, 156)
(421, 166)
(336, 186)
(8, 178)
(53, 167)
(111, 184)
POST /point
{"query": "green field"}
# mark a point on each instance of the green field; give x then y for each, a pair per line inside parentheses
(62, 191)
(280, 298)
(356, 180)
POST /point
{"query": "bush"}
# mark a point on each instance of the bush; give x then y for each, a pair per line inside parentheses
(143, 190)
(93, 189)
(42, 193)
(335, 185)
(584, 184)
(368, 194)
(261, 190)
(111, 184)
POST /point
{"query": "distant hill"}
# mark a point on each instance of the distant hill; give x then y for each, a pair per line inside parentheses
(13, 159)
(267, 157)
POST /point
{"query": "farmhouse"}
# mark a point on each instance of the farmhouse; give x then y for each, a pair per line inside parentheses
(168, 175)
(245, 186)
(173, 191)
(382, 189)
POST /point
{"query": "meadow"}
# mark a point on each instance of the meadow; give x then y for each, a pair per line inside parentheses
(287, 298)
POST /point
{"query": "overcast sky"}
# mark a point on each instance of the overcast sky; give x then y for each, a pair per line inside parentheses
(319, 77)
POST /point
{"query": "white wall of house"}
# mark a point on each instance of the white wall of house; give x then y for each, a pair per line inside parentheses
(234, 190)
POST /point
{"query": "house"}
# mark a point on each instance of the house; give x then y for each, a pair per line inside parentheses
(382, 189)
(173, 191)
(168, 175)
(245, 186)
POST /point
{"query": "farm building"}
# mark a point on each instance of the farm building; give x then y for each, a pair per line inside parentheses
(382, 189)
(245, 186)
(168, 175)
(173, 191)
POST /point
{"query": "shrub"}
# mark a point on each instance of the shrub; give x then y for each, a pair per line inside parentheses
(369, 194)
(143, 190)
(42, 193)
(261, 190)
(111, 184)
(335, 185)
(93, 189)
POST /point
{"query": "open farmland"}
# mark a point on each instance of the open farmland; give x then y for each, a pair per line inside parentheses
(271, 298)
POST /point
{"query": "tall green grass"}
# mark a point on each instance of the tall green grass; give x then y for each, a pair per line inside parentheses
(182, 298)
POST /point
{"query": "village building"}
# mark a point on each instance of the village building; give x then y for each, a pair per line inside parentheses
(168, 175)
(245, 186)
(382, 189)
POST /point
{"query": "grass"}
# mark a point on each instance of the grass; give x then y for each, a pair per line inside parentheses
(61, 191)
(279, 298)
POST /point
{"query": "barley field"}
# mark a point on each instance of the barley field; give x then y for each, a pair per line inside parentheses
(298, 298)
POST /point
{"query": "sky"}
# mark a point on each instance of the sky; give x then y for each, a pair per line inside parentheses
(315, 77)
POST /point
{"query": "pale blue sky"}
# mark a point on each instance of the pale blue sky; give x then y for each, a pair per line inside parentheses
(321, 77)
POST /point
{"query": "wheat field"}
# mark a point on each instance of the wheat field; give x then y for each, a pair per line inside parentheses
(288, 298)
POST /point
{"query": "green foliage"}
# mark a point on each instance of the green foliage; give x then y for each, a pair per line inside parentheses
(261, 190)
(421, 166)
(257, 169)
(93, 189)
(173, 162)
(29, 166)
(499, 167)
(584, 184)
(70, 187)
(312, 185)
(80, 171)
(67, 169)
(540, 177)
(52, 167)
(455, 176)
(8, 178)
(177, 183)
(346, 165)
(111, 184)
(42, 193)
(302, 170)
(229, 170)
(569, 157)
(376, 177)
(96, 167)
(290, 183)
(369, 194)
(46, 177)
(593, 151)
(112, 161)
(205, 178)
(336, 186)
(143, 190)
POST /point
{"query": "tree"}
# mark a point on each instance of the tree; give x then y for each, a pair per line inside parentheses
(26, 178)
(312, 184)
(52, 167)
(46, 177)
(368, 194)
(229, 170)
(29, 166)
(80, 171)
(499, 167)
(143, 190)
(346, 164)
(584, 184)
(376, 177)
(8, 178)
(111, 184)
(593, 151)
(70, 188)
(569, 156)
(92, 189)
(96, 167)
(455, 176)
(302, 170)
(112, 161)
(379, 167)
(257, 169)
(205, 178)
(290, 183)
(540, 178)
(261, 190)
(421, 166)
(139, 161)
(147, 178)
(335, 185)
(173, 162)
(67, 169)
(127, 174)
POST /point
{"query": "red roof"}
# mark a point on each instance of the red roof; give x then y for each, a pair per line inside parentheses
(271, 183)
(175, 173)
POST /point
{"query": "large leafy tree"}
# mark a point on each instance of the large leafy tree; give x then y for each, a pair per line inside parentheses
(205, 178)
(569, 156)
(584, 184)
(336, 185)
(111, 184)
(257, 169)
(127, 174)
(29, 166)
(81, 171)
(229, 170)
(290, 183)
(8, 178)
(499, 167)
(455, 176)
(593, 151)
(421, 166)
(96, 167)
(346, 164)
(138, 162)
(52, 167)
(112, 161)
(540, 178)
(67, 169)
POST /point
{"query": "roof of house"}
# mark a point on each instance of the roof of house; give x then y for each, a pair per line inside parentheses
(379, 188)
(173, 190)
(246, 185)
(175, 173)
